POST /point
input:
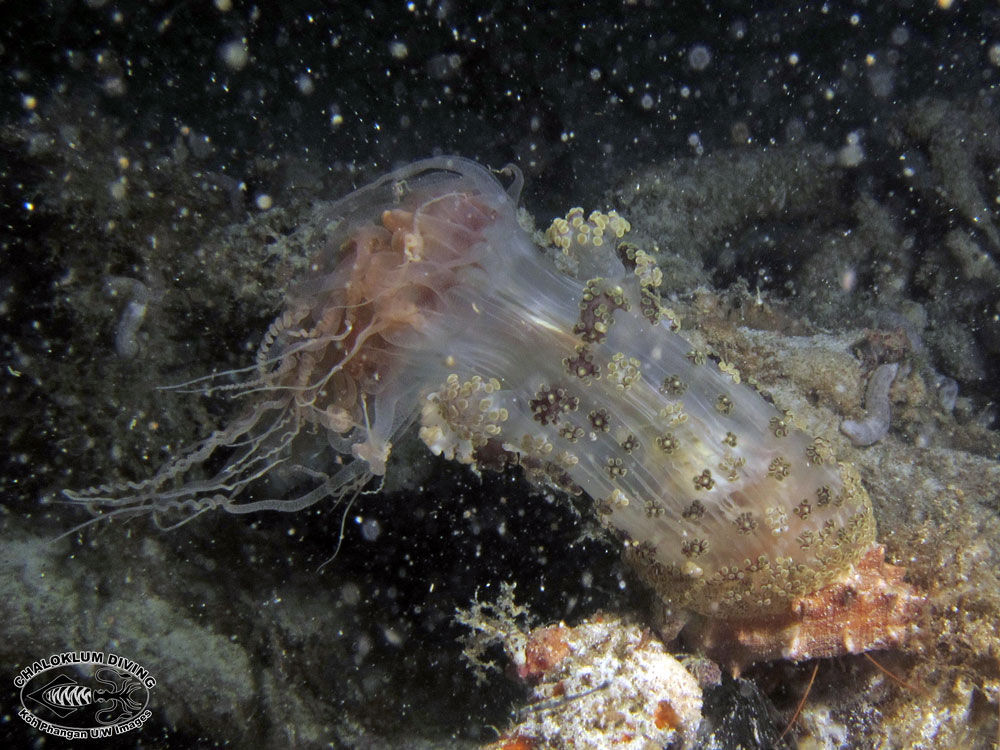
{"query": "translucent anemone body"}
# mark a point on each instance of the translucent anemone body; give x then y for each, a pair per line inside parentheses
(430, 303)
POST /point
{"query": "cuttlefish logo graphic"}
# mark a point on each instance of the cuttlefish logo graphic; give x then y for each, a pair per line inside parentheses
(85, 694)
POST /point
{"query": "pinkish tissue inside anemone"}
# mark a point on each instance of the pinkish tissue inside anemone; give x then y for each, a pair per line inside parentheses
(430, 304)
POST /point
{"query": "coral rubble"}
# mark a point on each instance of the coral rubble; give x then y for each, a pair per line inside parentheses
(603, 683)
(869, 608)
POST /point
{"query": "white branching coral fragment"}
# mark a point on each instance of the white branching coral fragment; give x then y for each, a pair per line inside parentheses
(503, 622)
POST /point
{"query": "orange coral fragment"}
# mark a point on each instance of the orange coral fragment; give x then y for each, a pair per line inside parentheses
(544, 650)
(666, 717)
(519, 743)
(869, 608)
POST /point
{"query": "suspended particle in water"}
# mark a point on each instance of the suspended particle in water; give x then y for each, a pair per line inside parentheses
(699, 57)
(235, 54)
